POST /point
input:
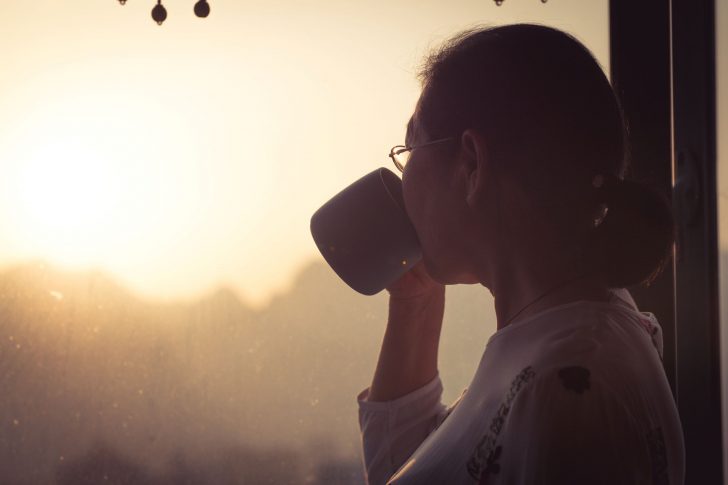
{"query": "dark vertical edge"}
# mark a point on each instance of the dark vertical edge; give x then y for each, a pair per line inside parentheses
(698, 317)
(640, 73)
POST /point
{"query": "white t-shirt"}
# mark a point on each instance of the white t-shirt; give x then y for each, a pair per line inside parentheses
(574, 394)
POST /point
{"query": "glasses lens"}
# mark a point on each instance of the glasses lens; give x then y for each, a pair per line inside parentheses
(402, 157)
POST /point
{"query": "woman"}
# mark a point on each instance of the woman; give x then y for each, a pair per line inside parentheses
(514, 177)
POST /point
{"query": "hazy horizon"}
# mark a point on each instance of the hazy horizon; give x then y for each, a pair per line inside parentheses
(96, 379)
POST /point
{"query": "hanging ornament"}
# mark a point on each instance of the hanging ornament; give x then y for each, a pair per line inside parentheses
(202, 8)
(123, 2)
(500, 2)
(159, 13)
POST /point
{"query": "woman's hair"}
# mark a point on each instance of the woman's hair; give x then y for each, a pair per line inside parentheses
(553, 123)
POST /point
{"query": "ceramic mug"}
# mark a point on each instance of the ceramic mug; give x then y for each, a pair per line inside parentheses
(364, 234)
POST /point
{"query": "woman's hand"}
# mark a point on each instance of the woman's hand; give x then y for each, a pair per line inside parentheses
(415, 284)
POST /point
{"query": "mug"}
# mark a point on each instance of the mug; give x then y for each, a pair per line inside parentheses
(364, 234)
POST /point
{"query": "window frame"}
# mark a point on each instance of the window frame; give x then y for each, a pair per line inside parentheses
(662, 57)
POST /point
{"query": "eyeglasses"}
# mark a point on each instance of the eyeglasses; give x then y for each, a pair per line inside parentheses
(400, 154)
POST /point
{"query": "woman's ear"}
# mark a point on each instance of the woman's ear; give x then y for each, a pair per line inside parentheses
(475, 162)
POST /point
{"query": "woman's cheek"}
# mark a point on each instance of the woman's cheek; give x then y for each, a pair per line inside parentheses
(408, 194)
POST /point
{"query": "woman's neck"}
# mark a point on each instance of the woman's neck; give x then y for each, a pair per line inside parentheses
(522, 294)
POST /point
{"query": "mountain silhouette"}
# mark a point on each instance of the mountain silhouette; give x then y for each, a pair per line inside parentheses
(93, 374)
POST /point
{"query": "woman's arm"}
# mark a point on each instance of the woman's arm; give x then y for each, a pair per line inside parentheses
(402, 405)
(408, 357)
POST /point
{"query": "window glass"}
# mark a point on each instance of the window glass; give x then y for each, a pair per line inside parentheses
(164, 314)
(721, 32)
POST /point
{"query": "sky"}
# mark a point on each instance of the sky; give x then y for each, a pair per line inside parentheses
(190, 156)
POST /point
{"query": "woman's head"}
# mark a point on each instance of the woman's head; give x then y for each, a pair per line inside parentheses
(534, 121)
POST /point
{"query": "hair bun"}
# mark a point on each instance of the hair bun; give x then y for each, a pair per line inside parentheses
(634, 240)
(606, 182)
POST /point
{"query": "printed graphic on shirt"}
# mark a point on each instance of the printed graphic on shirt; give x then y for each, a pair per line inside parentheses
(575, 378)
(484, 460)
(658, 456)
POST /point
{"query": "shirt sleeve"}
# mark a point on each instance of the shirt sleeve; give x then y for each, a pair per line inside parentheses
(566, 427)
(392, 430)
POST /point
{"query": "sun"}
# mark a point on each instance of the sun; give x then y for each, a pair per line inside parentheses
(68, 196)
(65, 187)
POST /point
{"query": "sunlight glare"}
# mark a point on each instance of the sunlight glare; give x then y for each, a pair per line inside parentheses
(66, 188)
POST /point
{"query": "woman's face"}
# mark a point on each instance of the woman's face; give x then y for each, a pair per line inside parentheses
(434, 186)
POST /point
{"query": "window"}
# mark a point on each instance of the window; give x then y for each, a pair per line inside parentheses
(163, 311)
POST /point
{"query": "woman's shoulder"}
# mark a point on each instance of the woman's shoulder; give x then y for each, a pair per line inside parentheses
(581, 322)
